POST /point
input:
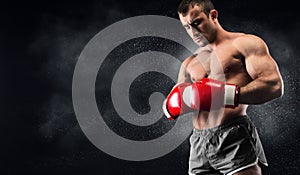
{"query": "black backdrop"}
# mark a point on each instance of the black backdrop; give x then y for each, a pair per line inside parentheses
(40, 43)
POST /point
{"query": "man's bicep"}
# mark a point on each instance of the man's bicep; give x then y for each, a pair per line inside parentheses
(260, 66)
(260, 63)
(182, 75)
(265, 72)
(258, 60)
(267, 82)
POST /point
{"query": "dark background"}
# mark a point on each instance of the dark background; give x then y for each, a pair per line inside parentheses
(40, 44)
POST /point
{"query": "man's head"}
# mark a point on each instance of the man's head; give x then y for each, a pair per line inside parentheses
(184, 6)
(199, 18)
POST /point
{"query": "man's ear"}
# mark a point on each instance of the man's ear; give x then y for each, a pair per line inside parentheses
(214, 14)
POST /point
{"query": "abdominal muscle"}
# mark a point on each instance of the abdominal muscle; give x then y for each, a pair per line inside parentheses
(204, 120)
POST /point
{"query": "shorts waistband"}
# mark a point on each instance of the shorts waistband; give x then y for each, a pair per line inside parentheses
(229, 123)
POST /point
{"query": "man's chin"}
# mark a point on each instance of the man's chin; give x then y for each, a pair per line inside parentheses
(201, 43)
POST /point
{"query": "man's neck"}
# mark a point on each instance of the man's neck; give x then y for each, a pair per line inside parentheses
(221, 35)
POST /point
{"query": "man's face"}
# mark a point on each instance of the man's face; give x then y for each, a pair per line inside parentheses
(197, 25)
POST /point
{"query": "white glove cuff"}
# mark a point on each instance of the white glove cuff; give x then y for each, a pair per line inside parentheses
(230, 96)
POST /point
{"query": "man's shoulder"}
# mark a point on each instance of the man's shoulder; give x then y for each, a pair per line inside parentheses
(189, 59)
(242, 38)
(248, 42)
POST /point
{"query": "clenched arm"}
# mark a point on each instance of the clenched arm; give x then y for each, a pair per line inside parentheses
(267, 82)
(183, 75)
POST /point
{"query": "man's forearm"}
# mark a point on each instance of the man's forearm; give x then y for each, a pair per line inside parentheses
(260, 91)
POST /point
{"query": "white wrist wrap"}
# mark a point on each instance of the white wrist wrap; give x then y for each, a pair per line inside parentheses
(229, 96)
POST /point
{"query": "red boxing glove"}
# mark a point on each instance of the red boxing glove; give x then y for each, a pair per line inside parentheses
(206, 94)
(173, 105)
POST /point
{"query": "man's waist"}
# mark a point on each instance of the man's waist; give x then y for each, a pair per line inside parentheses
(226, 124)
(206, 120)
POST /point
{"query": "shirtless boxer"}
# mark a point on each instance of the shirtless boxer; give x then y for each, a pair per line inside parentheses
(229, 71)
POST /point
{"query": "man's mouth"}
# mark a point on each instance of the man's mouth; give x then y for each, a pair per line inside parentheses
(197, 39)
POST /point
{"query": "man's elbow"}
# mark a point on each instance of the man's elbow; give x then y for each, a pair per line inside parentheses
(278, 89)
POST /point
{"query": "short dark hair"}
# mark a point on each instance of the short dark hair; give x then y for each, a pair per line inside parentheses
(184, 6)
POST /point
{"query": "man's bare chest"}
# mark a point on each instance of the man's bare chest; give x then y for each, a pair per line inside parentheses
(223, 61)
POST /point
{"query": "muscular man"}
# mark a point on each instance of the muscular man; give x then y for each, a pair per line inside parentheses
(229, 72)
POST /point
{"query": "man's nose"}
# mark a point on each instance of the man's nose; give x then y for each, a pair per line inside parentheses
(195, 31)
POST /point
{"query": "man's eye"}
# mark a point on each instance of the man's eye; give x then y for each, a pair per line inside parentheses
(187, 27)
(196, 23)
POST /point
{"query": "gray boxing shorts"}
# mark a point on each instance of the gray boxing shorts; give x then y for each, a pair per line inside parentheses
(225, 149)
